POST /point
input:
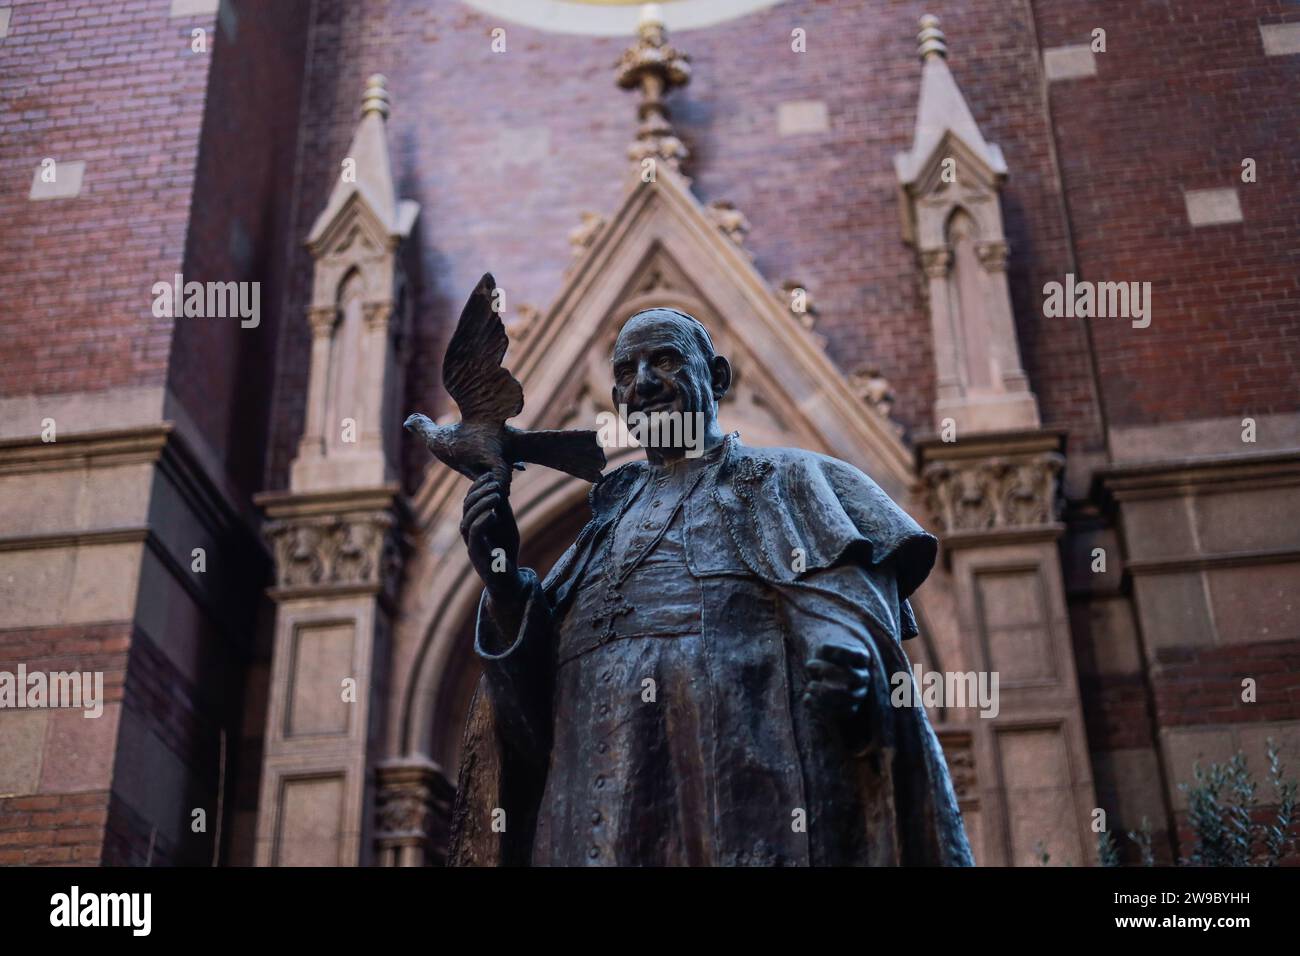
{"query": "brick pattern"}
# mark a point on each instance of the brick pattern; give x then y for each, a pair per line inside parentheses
(94, 647)
(1203, 685)
(131, 840)
(1116, 713)
(172, 706)
(1184, 93)
(187, 719)
(189, 161)
(239, 231)
(60, 829)
(117, 88)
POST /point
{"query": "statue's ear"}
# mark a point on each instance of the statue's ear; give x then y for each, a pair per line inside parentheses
(721, 369)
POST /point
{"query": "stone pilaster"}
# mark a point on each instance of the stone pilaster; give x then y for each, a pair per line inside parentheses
(338, 531)
(995, 504)
(339, 558)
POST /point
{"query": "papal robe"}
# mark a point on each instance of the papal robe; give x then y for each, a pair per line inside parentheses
(649, 708)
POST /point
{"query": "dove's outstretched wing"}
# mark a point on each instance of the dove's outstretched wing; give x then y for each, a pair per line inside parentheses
(471, 370)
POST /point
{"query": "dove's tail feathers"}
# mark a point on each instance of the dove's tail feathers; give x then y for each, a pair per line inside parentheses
(577, 453)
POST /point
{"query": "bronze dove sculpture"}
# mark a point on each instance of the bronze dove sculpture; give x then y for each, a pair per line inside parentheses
(487, 395)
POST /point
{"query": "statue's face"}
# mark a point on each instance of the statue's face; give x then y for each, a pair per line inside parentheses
(660, 366)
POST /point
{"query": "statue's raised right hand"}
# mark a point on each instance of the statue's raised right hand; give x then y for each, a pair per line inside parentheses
(492, 539)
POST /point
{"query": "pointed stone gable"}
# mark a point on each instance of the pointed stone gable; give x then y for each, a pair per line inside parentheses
(369, 196)
(943, 120)
(663, 248)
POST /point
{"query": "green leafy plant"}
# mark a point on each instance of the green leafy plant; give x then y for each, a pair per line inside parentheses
(1107, 852)
(1222, 806)
(1142, 838)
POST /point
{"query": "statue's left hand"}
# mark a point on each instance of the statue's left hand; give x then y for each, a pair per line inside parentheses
(839, 686)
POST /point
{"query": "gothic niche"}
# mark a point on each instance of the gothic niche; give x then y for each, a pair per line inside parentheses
(950, 181)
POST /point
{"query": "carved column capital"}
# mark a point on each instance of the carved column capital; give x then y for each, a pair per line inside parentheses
(322, 319)
(377, 314)
(412, 812)
(936, 262)
(993, 254)
(1001, 485)
(995, 493)
(361, 550)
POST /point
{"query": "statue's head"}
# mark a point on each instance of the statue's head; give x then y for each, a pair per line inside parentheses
(664, 362)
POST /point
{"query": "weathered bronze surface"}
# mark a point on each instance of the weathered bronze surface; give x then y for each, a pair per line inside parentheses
(703, 677)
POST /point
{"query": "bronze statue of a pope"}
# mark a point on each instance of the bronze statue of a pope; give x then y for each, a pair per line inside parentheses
(704, 676)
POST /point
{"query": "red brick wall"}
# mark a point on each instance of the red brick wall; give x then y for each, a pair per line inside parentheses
(1192, 687)
(1204, 685)
(1182, 95)
(178, 146)
(244, 184)
(174, 712)
(178, 719)
(116, 86)
(57, 829)
(88, 647)
(1116, 712)
(52, 827)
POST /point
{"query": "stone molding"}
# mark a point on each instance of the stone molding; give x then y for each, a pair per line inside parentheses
(1162, 479)
(85, 449)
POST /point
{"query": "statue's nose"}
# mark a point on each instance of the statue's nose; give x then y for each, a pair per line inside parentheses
(647, 383)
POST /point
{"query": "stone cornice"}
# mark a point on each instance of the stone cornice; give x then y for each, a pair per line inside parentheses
(109, 448)
(931, 448)
(286, 504)
(1162, 479)
(74, 539)
(161, 444)
(1206, 562)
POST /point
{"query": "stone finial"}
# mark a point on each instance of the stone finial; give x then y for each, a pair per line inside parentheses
(525, 318)
(371, 176)
(375, 99)
(873, 389)
(931, 38)
(729, 219)
(581, 238)
(797, 298)
(654, 68)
